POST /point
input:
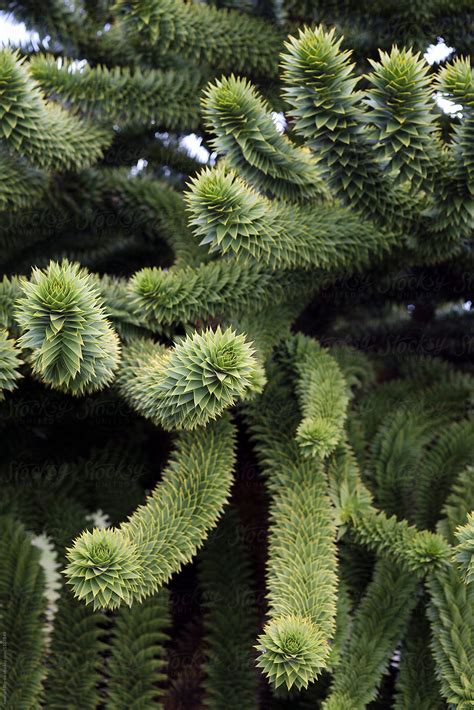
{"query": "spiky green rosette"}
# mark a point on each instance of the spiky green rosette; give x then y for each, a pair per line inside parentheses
(401, 111)
(104, 568)
(318, 436)
(464, 551)
(227, 215)
(74, 347)
(192, 383)
(292, 651)
(206, 374)
(10, 362)
(123, 565)
(246, 134)
(320, 87)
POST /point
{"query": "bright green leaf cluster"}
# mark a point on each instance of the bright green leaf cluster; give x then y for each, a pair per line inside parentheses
(291, 648)
(73, 346)
(232, 218)
(194, 382)
(190, 294)
(301, 568)
(401, 111)
(323, 395)
(320, 87)
(114, 566)
(246, 134)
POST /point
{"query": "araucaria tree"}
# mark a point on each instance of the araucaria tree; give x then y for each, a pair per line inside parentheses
(236, 397)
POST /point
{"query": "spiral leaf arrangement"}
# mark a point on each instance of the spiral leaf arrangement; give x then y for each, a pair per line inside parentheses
(233, 218)
(321, 89)
(366, 460)
(73, 346)
(114, 566)
(401, 110)
(292, 651)
(194, 382)
(295, 644)
(190, 294)
(173, 26)
(246, 134)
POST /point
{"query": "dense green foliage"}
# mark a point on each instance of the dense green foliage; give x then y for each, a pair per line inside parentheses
(236, 390)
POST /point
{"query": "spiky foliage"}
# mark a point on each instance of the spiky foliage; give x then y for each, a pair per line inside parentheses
(246, 134)
(136, 664)
(451, 612)
(439, 471)
(232, 218)
(161, 27)
(22, 587)
(10, 363)
(114, 566)
(75, 659)
(120, 95)
(73, 347)
(417, 551)
(458, 504)
(401, 111)
(192, 383)
(323, 396)
(230, 615)
(464, 550)
(20, 185)
(295, 644)
(417, 685)
(346, 219)
(357, 368)
(320, 87)
(43, 132)
(397, 450)
(456, 82)
(379, 622)
(190, 294)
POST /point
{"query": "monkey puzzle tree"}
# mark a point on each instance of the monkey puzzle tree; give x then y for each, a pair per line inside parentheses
(236, 397)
